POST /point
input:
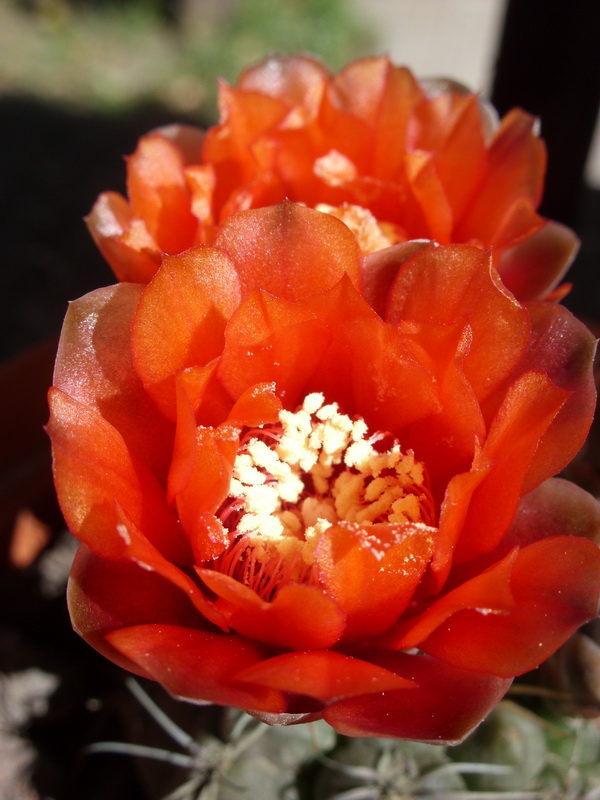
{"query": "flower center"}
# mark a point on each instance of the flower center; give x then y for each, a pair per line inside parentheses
(294, 480)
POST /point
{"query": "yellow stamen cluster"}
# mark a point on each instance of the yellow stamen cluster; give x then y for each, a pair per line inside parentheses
(323, 470)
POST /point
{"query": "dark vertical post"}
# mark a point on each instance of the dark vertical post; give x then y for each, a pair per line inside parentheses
(549, 64)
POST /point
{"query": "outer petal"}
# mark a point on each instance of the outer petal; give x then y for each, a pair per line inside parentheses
(444, 708)
(198, 665)
(95, 472)
(93, 366)
(181, 318)
(323, 675)
(308, 251)
(556, 587)
(556, 508)
(105, 595)
(563, 348)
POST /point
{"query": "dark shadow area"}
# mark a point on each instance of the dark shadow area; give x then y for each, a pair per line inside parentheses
(548, 64)
(53, 164)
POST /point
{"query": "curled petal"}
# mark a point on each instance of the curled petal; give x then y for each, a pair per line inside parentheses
(373, 572)
(444, 707)
(534, 267)
(197, 665)
(286, 622)
(323, 675)
(123, 240)
(555, 587)
(104, 595)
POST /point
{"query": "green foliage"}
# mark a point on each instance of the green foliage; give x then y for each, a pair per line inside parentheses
(110, 56)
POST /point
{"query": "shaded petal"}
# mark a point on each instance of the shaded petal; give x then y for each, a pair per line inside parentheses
(373, 572)
(196, 665)
(563, 348)
(447, 704)
(556, 587)
(379, 269)
(324, 675)
(286, 622)
(94, 367)
(199, 479)
(535, 266)
(556, 508)
(307, 252)
(104, 595)
(94, 470)
(181, 318)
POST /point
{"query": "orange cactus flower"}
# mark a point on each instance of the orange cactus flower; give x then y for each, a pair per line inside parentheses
(395, 159)
(311, 483)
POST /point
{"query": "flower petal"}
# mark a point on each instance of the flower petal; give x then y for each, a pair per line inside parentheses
(515, 168)
(270, 340)
(94, 470)
(286, 622)
(308, 251)
(93, 366)
(104, 595)
(446, 705)
(181, 318)
(458, 283)
(373, 572)
(556, 588)
(157, 187)
(197, 665)
(535, 266)
(323, 675)
(123, 241)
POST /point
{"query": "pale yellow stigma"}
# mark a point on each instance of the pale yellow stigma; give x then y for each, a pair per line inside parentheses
(370, 234)
(335, 169)
(324, 469)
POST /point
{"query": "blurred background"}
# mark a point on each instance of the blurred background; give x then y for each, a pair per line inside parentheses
(80, 82)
